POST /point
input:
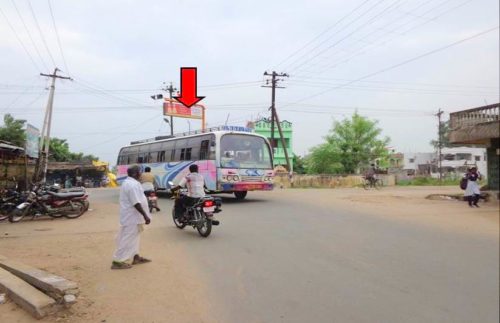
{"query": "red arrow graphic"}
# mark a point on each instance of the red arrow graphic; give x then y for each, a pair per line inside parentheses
(189, 88)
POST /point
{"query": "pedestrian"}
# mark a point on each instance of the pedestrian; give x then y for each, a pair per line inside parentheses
(134, 213)
(472, 192)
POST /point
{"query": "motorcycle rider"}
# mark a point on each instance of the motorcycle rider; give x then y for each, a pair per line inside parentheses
(148, 184)
(195, 184)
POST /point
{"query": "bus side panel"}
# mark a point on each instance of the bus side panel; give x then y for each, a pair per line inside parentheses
(175, 171)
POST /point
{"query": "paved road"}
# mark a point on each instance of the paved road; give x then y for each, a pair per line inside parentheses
(277, 259)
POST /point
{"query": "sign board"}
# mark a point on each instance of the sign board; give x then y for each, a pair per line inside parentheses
(235, 128)
(32, 141)
(176, 109)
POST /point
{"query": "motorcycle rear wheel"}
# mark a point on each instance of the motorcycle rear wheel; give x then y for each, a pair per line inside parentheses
(205, 228)
(56, 215)
(18, 214)
(178, 224)
(78, 210)
(5, 210)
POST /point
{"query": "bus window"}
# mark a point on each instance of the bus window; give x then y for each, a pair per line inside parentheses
(183, 154)
(188, 154)
(161, 156)
(204, 149)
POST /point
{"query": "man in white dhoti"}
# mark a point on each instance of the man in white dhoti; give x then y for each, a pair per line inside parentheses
(134, 213)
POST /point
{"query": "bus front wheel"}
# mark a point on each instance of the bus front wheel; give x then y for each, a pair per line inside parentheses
(240, 195)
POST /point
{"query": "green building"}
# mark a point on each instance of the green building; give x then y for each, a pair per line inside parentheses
(263, 127)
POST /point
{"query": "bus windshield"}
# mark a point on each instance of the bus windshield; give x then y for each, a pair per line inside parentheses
(244, 151)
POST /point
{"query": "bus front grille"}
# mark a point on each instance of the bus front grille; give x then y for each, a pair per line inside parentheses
(251, 178)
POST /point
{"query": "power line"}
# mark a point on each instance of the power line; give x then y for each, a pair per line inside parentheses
(397, 89)
(375, 30)
(400, 82)
(400, 64)
(41, 33)
(9, 106)
(29, 34)
(119, 136)
(322, 33)
(20, 41)
(338, 31)
(371, 46)
(370, 21)
(57, 36)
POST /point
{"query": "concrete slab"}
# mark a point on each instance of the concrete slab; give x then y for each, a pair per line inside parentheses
(52, 285)
(26, 296)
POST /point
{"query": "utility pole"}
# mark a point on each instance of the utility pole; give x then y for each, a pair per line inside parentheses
(171, 90)
(274, 114)
(43, 159)
(440, 145)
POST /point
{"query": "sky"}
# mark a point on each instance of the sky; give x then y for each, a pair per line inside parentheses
(395, 61)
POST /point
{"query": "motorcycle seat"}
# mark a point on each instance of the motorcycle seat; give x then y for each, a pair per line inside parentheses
(67, 194)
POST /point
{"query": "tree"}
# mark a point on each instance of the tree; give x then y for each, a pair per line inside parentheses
(59, 152)
(350, 145)
(299, 164)
(13, 131)
(445, 141)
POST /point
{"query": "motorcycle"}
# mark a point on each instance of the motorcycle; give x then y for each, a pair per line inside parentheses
(52, 202)
(199, 215)
(8, 202)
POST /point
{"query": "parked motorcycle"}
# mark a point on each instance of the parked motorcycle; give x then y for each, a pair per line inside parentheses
(199, 215)
(52, 202)
(8, 202)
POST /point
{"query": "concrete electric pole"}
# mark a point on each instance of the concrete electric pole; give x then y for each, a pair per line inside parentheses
(43, 159)
(274, 114)
(440, 145)
(171, 90)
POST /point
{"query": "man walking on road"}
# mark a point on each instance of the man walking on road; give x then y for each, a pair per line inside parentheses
(134, 213)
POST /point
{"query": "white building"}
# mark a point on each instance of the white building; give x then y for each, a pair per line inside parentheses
(413, 160)
(459, 159)
(455, 161)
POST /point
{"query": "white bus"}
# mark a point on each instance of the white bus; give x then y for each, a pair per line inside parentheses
(231, 159)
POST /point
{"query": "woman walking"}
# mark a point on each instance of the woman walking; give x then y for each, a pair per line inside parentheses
(472, 190)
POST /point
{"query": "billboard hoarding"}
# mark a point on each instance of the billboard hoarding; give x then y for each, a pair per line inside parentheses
(176, 109)
(32, 141)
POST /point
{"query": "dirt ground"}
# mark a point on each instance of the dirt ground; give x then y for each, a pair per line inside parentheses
(170, 288)
(166, 290)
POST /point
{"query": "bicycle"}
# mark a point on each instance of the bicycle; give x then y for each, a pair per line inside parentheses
(372, 183)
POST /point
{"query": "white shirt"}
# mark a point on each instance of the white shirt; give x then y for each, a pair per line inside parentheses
(147, 186)
(195, 184)
(131, 193)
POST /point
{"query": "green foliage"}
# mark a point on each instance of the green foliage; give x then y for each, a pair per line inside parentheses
(430, 181)
(13, 131)
(351, 145)
(299, 164)
(59, 152)
(443, 133)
